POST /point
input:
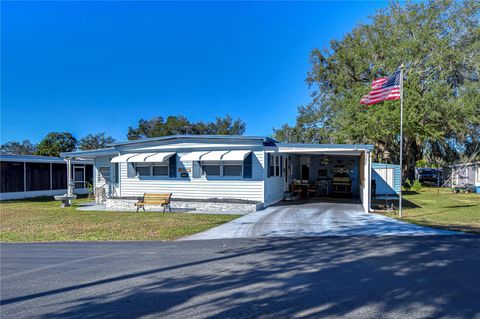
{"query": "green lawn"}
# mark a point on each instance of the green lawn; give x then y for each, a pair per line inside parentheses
(442, 209)
(44, 220)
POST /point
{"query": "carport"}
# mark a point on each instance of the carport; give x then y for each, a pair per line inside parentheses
(325, 171)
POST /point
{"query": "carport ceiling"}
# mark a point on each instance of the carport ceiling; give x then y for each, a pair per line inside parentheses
(322, 152)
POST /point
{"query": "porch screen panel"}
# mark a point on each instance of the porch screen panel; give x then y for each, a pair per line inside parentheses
(89, 173)
(38, 176)
(59, 176)
(12, 177)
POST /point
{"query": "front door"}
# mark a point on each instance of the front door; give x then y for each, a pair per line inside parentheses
(79, 176)
(305, 173)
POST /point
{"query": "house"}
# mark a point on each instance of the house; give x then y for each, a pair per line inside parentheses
(228, 172)
(26, 176)
(463, 174)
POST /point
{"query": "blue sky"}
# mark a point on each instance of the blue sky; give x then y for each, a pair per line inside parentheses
(87, 67)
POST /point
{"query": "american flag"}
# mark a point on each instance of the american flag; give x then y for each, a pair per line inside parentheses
(387, 88)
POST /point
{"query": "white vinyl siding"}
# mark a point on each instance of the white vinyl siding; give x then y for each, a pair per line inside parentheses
(199, 188)
(274, 189)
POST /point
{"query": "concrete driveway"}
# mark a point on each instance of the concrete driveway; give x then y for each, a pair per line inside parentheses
(314, 277)
(307, 218)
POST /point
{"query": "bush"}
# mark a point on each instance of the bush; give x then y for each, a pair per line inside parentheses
(407, 185)
(417, 186)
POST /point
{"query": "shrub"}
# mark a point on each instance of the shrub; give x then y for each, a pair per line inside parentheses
(417, 186)
(407, 185)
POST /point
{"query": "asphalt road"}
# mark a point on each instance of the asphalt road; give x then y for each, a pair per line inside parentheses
(349, 277)
(310, 218)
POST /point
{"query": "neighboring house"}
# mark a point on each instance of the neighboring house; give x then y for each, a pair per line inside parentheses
(26, 176)
(463, 174)
(216, 172)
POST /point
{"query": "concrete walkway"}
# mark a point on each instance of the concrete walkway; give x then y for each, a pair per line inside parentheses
(309, 219)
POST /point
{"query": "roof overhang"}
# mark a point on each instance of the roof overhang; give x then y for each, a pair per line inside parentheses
(264, 139)
(328, 149)
(90, 154)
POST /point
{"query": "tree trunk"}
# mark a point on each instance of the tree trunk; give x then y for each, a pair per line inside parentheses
(411, 154)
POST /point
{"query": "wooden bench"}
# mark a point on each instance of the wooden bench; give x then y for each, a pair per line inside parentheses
(155, 199)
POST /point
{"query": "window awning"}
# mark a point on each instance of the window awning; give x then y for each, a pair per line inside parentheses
(204, 156)
(238, 155)
(213, 156)
(122, 158)
(143, 157)
(139, 157)
(193, 156)
(159, 157)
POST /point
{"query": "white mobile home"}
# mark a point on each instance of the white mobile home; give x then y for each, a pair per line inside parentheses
(217, 171)
(462, 175)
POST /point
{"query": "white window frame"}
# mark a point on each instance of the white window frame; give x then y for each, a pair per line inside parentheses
(275, 163)
(478, 173)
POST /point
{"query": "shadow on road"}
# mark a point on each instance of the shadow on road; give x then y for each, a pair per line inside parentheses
(285, 278)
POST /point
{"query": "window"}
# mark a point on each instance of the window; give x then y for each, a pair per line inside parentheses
(232, 170)
(211, 169)
(277, 165)
(154, 169)
(117, 173)
(275, 168)
(271, 163)
(478, 173)
(104, 174)
(160, 170)
(142, 170)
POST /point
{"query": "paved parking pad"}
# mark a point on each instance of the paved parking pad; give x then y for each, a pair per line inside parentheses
(306, 219)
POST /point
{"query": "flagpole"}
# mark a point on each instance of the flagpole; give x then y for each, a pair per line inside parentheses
(401, 141)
